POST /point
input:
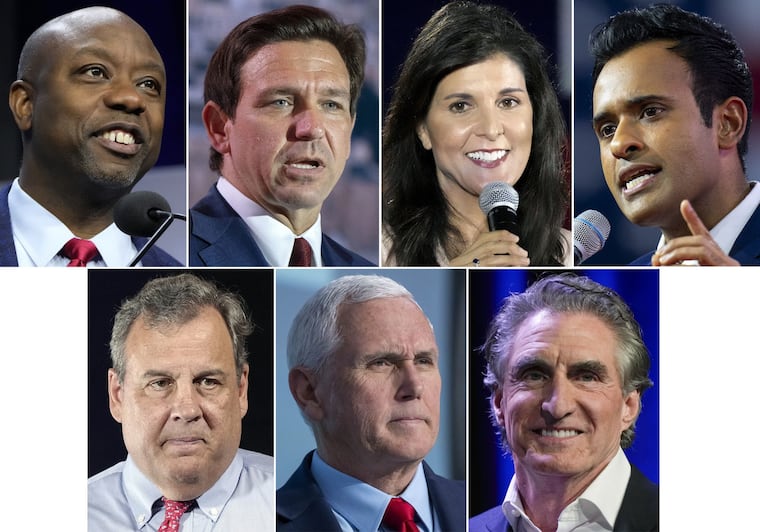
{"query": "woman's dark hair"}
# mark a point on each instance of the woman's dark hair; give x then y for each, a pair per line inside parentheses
(416, 215)
(716, 62)
(292, 23)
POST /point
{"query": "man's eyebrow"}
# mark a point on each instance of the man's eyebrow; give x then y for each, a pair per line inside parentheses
(589, 366)
(529, 362)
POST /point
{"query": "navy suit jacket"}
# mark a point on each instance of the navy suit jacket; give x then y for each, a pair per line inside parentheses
(639, 512)
(219, 237)
(302, 507)
(746, 249)
(155, 256)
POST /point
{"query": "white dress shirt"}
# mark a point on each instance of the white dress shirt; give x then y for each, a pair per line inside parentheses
(274, 238)
(39, 236)
(595, 510)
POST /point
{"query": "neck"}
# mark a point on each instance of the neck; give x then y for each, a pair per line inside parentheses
(466, 216)
(84, 212)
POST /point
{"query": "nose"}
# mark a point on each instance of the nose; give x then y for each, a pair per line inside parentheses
(123, 95)
(185, 405)
(626, 140)
(559, 401)
(490, 124)
(309, 125)
(411, 384)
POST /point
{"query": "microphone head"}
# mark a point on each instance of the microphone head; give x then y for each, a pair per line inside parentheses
(590, 232)
(498, 194)
(134, 213)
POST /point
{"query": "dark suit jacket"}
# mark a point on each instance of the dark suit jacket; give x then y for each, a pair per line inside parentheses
(640, 511)
(154, 257)
(746, 249)
(302, 507)
(219, 237)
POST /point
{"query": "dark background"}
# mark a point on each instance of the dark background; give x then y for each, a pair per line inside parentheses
(106, 290)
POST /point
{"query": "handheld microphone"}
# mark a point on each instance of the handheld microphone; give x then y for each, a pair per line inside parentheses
(499, 202)
(144, 213)
(590, 232)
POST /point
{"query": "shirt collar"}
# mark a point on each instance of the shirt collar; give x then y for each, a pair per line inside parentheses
(363, 505)
(142, 494)
(727, 230)
(39, 235)
(599, 502)
(273, 237)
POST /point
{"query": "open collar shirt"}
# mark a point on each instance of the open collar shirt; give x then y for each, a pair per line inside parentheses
(122, 498)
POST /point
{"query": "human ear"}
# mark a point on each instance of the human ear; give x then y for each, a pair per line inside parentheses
(243, 390)
(631, 409)
(21, 102)
(115, 390)
(424, 136)
(303, 388)
(731, 121)
(215, 120)
(496, 408)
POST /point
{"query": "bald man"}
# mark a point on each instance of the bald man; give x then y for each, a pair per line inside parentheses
(89, 102)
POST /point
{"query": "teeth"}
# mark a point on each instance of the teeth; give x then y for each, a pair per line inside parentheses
(636, 180)
(559, 433)
(122, 137)
(488, 156)
(304, 166)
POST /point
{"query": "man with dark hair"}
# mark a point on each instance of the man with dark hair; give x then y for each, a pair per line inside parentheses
(672, 106)
(179, 388)
(89, 102)
(280, 96)
(566, 368)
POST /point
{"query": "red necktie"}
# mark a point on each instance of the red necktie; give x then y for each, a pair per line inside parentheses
(399, 516)
(301, 255)
(173, 510)
(79, 251)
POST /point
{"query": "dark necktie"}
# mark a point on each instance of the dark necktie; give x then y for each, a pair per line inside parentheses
(301, 255)
(399, 516)
(79, 251)
(173, 511)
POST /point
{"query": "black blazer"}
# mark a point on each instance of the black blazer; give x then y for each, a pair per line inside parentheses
(302, 507)
(639, 512)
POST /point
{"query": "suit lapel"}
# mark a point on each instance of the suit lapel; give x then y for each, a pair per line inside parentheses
(7, 247)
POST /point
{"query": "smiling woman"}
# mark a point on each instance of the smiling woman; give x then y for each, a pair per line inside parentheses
(473, 105)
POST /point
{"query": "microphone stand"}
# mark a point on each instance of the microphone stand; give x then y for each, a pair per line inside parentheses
(170, 216)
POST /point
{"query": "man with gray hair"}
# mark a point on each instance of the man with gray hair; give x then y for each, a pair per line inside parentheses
(364, 370)
(566, 368)
(179, 388)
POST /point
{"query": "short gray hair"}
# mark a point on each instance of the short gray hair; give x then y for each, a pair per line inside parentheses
(315, 334)
(569, 293)
(175, 300)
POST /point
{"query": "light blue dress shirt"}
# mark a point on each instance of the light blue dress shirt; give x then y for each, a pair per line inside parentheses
(360, 507)
(121, 498)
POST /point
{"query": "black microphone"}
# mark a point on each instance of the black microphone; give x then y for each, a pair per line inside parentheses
(144, 213)
(499, 202)
(590, 232)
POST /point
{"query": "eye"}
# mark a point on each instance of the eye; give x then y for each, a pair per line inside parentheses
(159, 385)
(587, 376)
(380, 363)
(459, 107)
(606, 131)
(651, 111)
(95, 71)
(280, 103)
(150, 84)
(508, 103)
(208, 383)
(332, 105)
